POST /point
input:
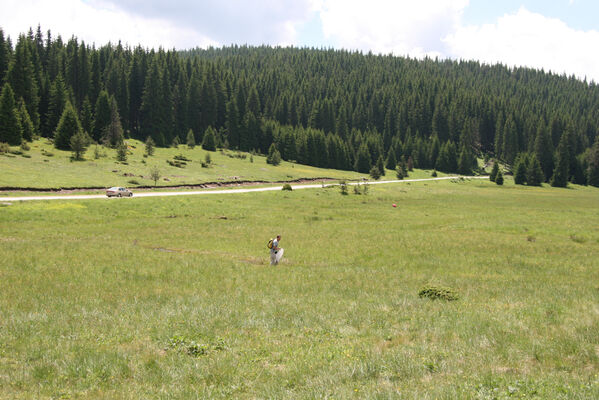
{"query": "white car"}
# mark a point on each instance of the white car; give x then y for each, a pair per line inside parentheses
(118, 192)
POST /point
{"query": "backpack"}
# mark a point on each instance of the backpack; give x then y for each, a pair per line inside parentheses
(269, 245)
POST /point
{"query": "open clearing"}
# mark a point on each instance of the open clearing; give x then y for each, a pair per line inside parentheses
(174, 298)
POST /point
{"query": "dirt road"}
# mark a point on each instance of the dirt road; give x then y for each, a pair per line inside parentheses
(219, 191)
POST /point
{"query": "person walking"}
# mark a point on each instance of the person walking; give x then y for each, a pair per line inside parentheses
(276, 253)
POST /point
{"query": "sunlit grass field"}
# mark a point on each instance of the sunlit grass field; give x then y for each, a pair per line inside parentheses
(174, 297)
(43, 166)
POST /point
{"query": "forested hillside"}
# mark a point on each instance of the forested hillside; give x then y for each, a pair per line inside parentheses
(326, 108)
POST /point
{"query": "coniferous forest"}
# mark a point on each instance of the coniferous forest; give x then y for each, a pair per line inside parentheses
(326, 108)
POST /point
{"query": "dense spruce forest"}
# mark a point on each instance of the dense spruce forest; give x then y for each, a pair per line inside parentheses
(326, 108)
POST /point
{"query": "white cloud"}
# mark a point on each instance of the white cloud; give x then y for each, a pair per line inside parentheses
(95, 21)
(529, 39)
(400, 27)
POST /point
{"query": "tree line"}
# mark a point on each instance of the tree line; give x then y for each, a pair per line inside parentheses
(327, 108)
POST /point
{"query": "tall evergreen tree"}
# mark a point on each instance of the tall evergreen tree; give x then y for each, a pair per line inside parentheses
(68, 126)
(363, 163)
(152, 121)
(4, 57)
(494, 172)
(113, 133)
(103, 115)
(562, 164)
(521, 169)
(10, 123)
(534, 174)
(21, 76)
(209, 141)
(57, 102)
(27, 128)
(593, 168)
(544, 150)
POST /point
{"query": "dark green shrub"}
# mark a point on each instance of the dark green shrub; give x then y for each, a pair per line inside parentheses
(375, 173)
(499, 178)
(287, 187)
(343, 187)
(434, 174)
(434, 292)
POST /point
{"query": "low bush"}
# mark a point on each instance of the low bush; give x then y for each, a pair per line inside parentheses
(181, 157)
(343, 187)
(438, 292)
(4, 147)
(287, 187)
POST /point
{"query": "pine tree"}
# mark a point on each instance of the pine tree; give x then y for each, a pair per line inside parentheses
(86, 116)
(26, 125)
(381, 165)
(375, 173)
(113, 133)
(391, 160)
(191, 141)
(68, 126)
(274, 157)
(10, 123)
(57, 102)
(152, 112)
(593, 168)
(232, 124)
(209, 142)
(150, 146)
(521, 169)
(103, 116)
(465, 162)
(363, 163)
(4, 56)
(494, 172)
(562, 164)
(21, 76)
(544, 151)
(534, 174)
(499, 178)
(79, 143)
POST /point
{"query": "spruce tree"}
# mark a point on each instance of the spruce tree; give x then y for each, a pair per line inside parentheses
(363, 163)
(381, 165)
(274, 157)
(10, 123)
(593, 168)
(113, 133)
(499, 178)
(150, 146)
(21, 76)
(27, 128)
(4, 56)
(191, 141)
(79, 143)
(521, 169)
(103, 116)
(68, 126)
(375, 173)
(56, 104)
(391, 160)
(544, 151)
(209, 142)
(534, 173)
(464, 162)
(86, 116)
(494, 172)
(562, 164)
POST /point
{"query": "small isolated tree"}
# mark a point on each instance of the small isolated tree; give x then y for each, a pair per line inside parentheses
(274, 157)
(375, 173)
(400, 171)
(121, 152)
(534, 173)
(150, 145)
(499, 178)
(79, 143)
(208, 159)
(68, 126)
(343, 187)
(155, 174)
(191, 140)
(494, 172)
(209, 142)
(410, 164)
(176, 142)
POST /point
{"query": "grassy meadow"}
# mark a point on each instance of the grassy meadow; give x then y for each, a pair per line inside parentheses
(43, 166)
(173, 297)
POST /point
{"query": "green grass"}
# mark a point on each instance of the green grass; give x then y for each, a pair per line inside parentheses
(40, 170)
(174, 297)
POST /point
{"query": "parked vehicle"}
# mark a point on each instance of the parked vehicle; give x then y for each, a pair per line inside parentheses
(118, 192)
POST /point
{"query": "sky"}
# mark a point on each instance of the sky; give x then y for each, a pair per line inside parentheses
(561, 36)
